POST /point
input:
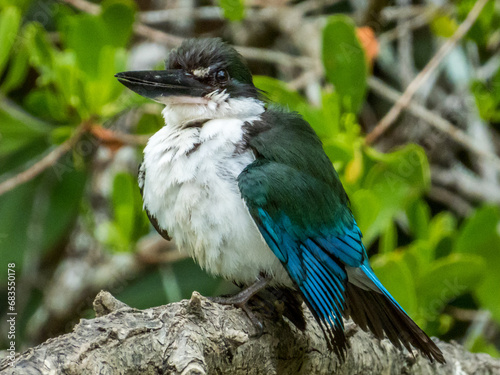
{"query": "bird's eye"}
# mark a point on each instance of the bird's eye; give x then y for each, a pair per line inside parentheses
(221, 76)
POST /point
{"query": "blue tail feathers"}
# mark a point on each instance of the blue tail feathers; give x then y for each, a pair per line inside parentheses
(334, 276)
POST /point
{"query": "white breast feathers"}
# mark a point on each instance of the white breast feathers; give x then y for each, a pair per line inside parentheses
(190, 187)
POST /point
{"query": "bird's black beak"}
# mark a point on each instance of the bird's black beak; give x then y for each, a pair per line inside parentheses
(158, 85)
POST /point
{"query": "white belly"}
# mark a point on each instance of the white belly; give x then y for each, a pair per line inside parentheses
(190, 187)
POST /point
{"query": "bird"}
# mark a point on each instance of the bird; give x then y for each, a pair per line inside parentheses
(246, 189)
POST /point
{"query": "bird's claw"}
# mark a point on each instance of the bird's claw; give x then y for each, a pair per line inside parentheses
(241, 299)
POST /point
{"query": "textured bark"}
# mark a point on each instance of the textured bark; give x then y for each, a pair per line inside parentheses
(197, 336)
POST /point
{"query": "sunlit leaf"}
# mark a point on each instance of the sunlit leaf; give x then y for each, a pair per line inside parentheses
(479, 236)
(10, 20)
(18, 129)
(354, 168)
(446, 279)
(395, 275)
(397, 179)
(18, 69)
(16, 206)
(389, 239)
(118, 17)
(344, 61)
(419, 215)
(122, 198)
(234, 10)
(277, 92)
(366, 208)
(480, 229)
(444, 26)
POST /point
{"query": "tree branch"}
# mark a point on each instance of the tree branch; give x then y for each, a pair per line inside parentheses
(47, 161)
(434, 120)
(197, 336)
(432, 65)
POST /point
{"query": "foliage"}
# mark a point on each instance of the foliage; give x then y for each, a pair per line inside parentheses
(427, 259)
(344, 61)
(234, 10)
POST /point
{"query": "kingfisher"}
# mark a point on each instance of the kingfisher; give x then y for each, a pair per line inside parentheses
(246, 189)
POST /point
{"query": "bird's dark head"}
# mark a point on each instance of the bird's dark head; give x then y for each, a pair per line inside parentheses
(200, 71)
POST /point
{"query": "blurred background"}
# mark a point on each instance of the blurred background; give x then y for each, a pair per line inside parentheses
(424, 184)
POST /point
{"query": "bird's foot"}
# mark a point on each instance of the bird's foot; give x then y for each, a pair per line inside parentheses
(241, 299)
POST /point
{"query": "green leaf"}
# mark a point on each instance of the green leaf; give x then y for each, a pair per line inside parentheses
(330, 128)
(419, 215)
(355, 167)
(130, 222)
(64, 192)
(47, 105)
(16, 207)
(478, 231)
(316, 118)
(366, 208)
(443, 25)
(487, 97)
(486, 290)
(104, 89)
(40, 49)
(389, 239)
(20, 4)
(10, 20)
(422, 254)
(344, 61)
(18, 129)
(442, 225)
(479, 236)
(85, 35)
(278, 92)
(123, 198)
(339, 151)
(234, 10)
(149, 123)
(395, 275)
(482, 345)
(446, 279)
(118, 17)
(482, 28)
(397, 179)
(18, 69)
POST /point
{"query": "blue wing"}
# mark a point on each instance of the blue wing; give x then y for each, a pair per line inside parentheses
(301, 209)
(318, 272)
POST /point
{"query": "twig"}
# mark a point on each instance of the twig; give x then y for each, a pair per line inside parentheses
(303, 80)
(139, 29)
(490, 68)
(395, 13)
(413, 87)
(156, 35)
(405, 49)
(85, 6)
(175, 14)
(434, 120)
(466, 182)
(107, 135)
(414, 23)
(170, 40)
(451, 200)
(277, 57)
(46, 162)
(132, 139)
(461, 314)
